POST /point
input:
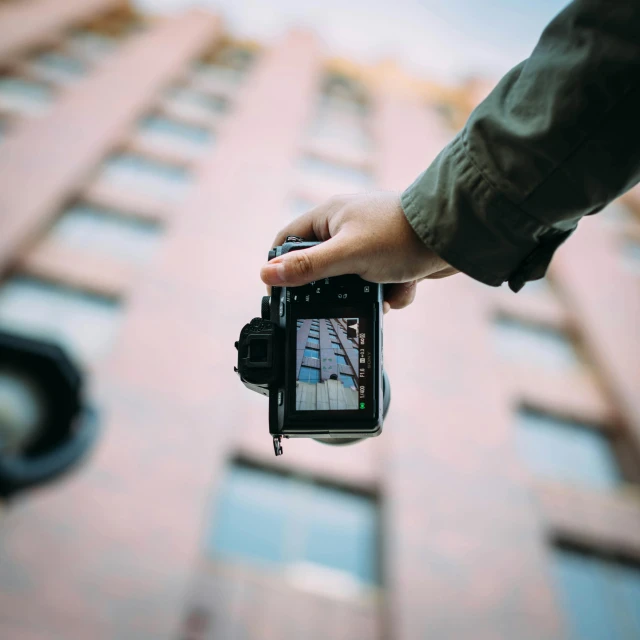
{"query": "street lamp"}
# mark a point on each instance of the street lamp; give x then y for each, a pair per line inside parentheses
(46, 428)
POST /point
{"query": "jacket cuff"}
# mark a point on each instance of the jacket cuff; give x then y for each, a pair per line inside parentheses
(461, 216)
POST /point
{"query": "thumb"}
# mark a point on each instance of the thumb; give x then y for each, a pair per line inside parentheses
(330, 258)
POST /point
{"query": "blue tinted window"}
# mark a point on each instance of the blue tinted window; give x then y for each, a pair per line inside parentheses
(166, 130)
(58, 67)
(21, 96)
(341, 532)
(631, 254)
(312, 353)
(309, 374)
(601, 598)
(89, 228)
(202, 103)
(215, 77)
(313, 165)
(268, 518)
(85, 324)
(251, 519)
(300, 205)
(88, 44)
(341, 359)
(336, 345)
(566, 450)
(533, 344)
(235, 57)
(314, 342)
(159, 179)
(347, 381)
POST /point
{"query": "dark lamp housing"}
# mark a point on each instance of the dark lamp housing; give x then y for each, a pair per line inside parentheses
(45, 428)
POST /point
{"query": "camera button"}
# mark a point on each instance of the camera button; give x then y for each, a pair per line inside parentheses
(280, 398)
(281, 309)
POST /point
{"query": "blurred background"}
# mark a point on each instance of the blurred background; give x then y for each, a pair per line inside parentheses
(149, 152)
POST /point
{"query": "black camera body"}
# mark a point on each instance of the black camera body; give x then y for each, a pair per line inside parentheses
(316, 352)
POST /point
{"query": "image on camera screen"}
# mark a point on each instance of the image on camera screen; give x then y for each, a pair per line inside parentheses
(327, 365)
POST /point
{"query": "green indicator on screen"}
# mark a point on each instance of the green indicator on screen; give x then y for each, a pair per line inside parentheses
(362, 405)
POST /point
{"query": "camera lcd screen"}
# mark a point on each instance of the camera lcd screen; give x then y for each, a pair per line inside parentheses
(333, 367)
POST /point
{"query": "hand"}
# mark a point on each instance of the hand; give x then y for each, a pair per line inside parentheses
(366, 234)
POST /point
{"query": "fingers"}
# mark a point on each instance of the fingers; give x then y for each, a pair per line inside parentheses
(331, 258)
(399, 296)
(302, 227)
(312, 225)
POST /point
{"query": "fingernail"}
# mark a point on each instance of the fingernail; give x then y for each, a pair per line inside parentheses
(275, 273)
(386, 307)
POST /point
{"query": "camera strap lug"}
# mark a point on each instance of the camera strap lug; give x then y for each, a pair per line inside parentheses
(277, 445)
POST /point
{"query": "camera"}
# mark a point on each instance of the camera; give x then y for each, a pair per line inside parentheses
(316, 352)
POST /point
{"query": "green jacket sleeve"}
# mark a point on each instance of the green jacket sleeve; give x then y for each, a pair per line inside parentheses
(557, 139)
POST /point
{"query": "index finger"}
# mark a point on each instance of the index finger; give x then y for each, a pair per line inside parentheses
(305, 226)
(312, 225)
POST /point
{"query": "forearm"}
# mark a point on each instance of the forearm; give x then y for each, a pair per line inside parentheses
(557, 139)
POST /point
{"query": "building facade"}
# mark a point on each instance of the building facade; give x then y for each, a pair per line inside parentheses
(327, 367)
(145, 165)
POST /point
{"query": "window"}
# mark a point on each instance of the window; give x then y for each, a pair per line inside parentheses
(631, 254)
(336, 345)
(313, 165)
(216, 76)
(227, 66)
(601, 597)
(21, 96)
(83, 323)
(340, 129)
(617, 214)
(309, 374)
(312, 353)
(341, 360)
(93, 46)
(167, 132)
(314, 334)
(202, 103)
(527, 343)
(235, 57)
(57, 67)
(336, 85)
(566, 450)
(300, 205)
(164, 181)
(283, 521)
(348, 381)
(314, 342)
(89, 228)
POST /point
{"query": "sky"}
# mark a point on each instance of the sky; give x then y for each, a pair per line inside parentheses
(443, 39)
